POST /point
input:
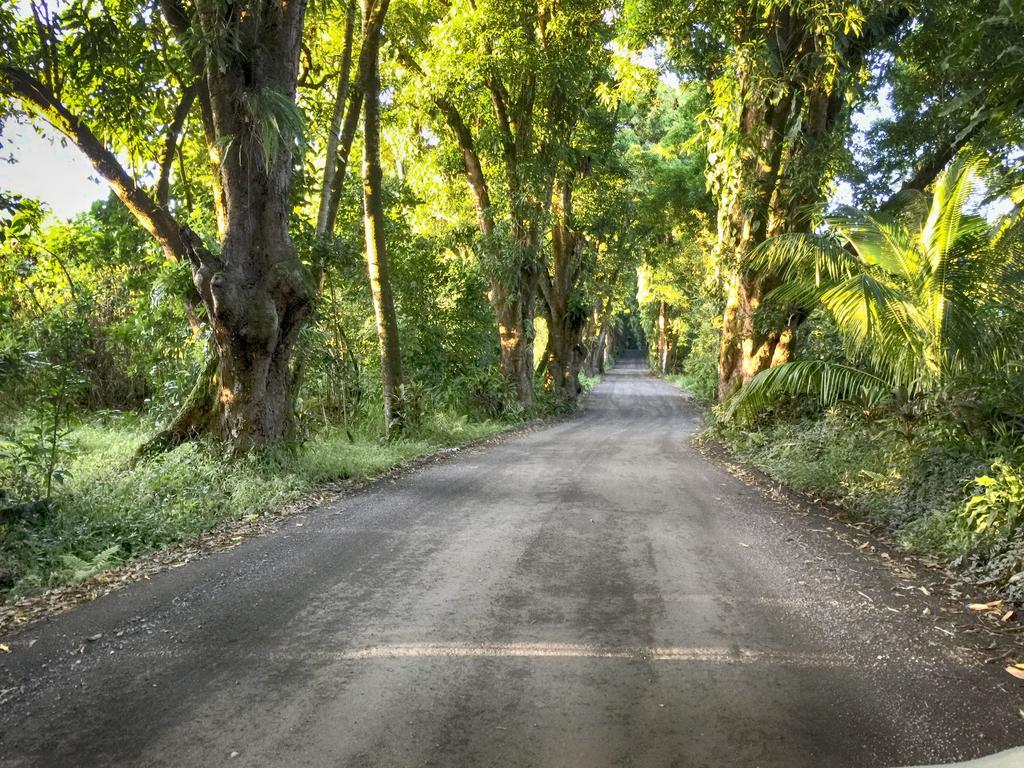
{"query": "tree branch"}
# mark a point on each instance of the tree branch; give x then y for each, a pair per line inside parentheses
(188, 97)
(371, 28)
(499, 97)
(470, 162)
(929, 168)
(154, 218)
(467, 146)
(336, 131)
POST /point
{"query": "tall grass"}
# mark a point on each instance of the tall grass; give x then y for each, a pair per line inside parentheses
(106, 513)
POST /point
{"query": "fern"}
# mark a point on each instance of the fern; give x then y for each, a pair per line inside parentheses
(76, 569)
(276, 122)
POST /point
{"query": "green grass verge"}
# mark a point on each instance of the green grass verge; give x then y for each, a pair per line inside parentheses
(105, 514)
(936, 491)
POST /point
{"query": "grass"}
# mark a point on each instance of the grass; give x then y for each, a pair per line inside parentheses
(915, 484)
(919, 483)
(106, 514)
(691, 383)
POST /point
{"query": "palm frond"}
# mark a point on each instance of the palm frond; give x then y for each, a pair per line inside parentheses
(911, 305)
(944, 225)
(859, 306)
(826, 382)
(889, 246)
(804, 255)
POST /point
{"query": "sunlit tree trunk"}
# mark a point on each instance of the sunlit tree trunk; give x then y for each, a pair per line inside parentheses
(666, 342)
(787, 131)
(515, 308)
(373, 224)
(566, 321)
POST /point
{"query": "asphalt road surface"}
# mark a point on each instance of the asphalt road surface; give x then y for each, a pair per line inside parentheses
(593, 593)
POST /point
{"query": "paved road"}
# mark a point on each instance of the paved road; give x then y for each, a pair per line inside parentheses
(590, 594)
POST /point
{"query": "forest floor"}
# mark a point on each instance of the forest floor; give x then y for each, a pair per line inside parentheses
(596, 592)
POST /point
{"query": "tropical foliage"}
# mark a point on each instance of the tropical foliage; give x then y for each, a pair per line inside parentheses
(916, 297)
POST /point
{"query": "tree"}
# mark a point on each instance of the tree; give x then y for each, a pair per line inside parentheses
(781, 111)
(373, 218)
(949, 84)
(508, 84)
(913, 302)
(565, 312)
(782, 75)
(243, 60)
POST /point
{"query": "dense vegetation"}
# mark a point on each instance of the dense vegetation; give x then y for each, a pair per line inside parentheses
(807, 212)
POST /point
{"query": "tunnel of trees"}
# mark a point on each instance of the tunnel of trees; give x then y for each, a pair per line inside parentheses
(339, 234)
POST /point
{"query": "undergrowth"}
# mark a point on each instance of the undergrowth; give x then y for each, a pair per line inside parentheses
(956, 501)
(936, 490)
(105, 514)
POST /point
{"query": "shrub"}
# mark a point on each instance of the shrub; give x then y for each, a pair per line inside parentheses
(995, 509)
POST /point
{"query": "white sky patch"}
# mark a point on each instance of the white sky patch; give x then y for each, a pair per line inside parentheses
(46, 170)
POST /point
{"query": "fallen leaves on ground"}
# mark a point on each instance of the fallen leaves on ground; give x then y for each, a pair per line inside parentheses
(1017, 670)
(993, 606)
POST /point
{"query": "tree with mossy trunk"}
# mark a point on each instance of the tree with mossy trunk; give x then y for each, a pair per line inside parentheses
(781, 110)
(784, 77)
(508, 83)
(241, 59)
(564, 310)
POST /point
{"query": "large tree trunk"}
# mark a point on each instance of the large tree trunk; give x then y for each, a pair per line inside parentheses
(746, 219)
(748, 347)
(514, 310)
(786, 130)
(373, 221)
(256, 291)
(566, 323)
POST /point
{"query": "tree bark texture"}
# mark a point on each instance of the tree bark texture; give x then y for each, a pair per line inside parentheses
(373, 223)
(567, 320)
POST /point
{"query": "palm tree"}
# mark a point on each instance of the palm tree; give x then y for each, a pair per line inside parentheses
(914, 299)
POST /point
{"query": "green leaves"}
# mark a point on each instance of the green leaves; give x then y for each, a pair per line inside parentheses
(275, 121)
(825, 382)
(996, 508)
(912, 307)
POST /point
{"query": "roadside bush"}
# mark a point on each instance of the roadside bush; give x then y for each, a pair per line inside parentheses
(939, 493)
(107, 513)
(995, 509)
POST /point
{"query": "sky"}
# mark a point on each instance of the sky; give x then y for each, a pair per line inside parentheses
(46, 170)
